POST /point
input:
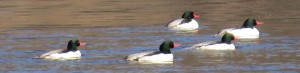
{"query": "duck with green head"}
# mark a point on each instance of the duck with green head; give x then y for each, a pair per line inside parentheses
(164, 54)
(70, 53)
(246, 31)
(186, 23)
(224, 44)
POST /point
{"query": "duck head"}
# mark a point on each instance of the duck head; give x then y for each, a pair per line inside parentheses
(73, 44)
(167, 45)
(250, 23)
(227, 38)
(189, 15)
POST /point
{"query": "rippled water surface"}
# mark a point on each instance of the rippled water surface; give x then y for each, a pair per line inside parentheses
(113, 29)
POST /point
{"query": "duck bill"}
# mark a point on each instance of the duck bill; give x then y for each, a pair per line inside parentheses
(235, 38)
(196, 16)
(259, 23)
(82, 44)
(176, 45)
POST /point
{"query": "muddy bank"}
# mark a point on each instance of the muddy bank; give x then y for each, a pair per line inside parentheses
(78, 13)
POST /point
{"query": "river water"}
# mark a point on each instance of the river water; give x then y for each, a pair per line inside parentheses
(114, 29)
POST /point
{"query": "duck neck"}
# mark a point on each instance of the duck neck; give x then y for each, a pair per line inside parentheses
(249, 23)
(72, 48)
(224, 40)
(248, 26)
(164, 50)
(187, 20)
(187, 17)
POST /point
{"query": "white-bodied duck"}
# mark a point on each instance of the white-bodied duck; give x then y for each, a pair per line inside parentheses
(164, 54)
(247, 31)
(70, 53)
(186, 23)
(224, 44)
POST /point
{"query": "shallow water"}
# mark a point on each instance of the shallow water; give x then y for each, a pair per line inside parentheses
(114, 29)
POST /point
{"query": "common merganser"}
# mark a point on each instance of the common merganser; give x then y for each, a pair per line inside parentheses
(247, 31)
(224, 44)
(164, 54)
(70, 53)
(186, 23)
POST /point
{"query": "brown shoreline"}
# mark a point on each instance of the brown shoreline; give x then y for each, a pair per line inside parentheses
(122, 13)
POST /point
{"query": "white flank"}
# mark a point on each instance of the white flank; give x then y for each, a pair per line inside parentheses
(146, 57)
(176, 25)
(242, 33)
(138, 55)
(219, 46)
(213, 45)
(57, 55)
(158, 58)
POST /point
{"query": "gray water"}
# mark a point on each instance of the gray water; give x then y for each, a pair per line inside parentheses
(114, 29)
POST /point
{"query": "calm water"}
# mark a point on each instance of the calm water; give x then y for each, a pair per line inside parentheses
(113, 29)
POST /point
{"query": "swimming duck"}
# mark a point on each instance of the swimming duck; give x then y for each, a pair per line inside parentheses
(164, 54)
(186, 23)
(246, 31)
(224, 44)
(70, 53)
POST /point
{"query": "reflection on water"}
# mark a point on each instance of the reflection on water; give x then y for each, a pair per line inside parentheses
(108, 46)
(114, 29)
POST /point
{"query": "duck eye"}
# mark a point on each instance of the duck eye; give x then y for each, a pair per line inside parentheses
(172, 45)
(78, 43)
